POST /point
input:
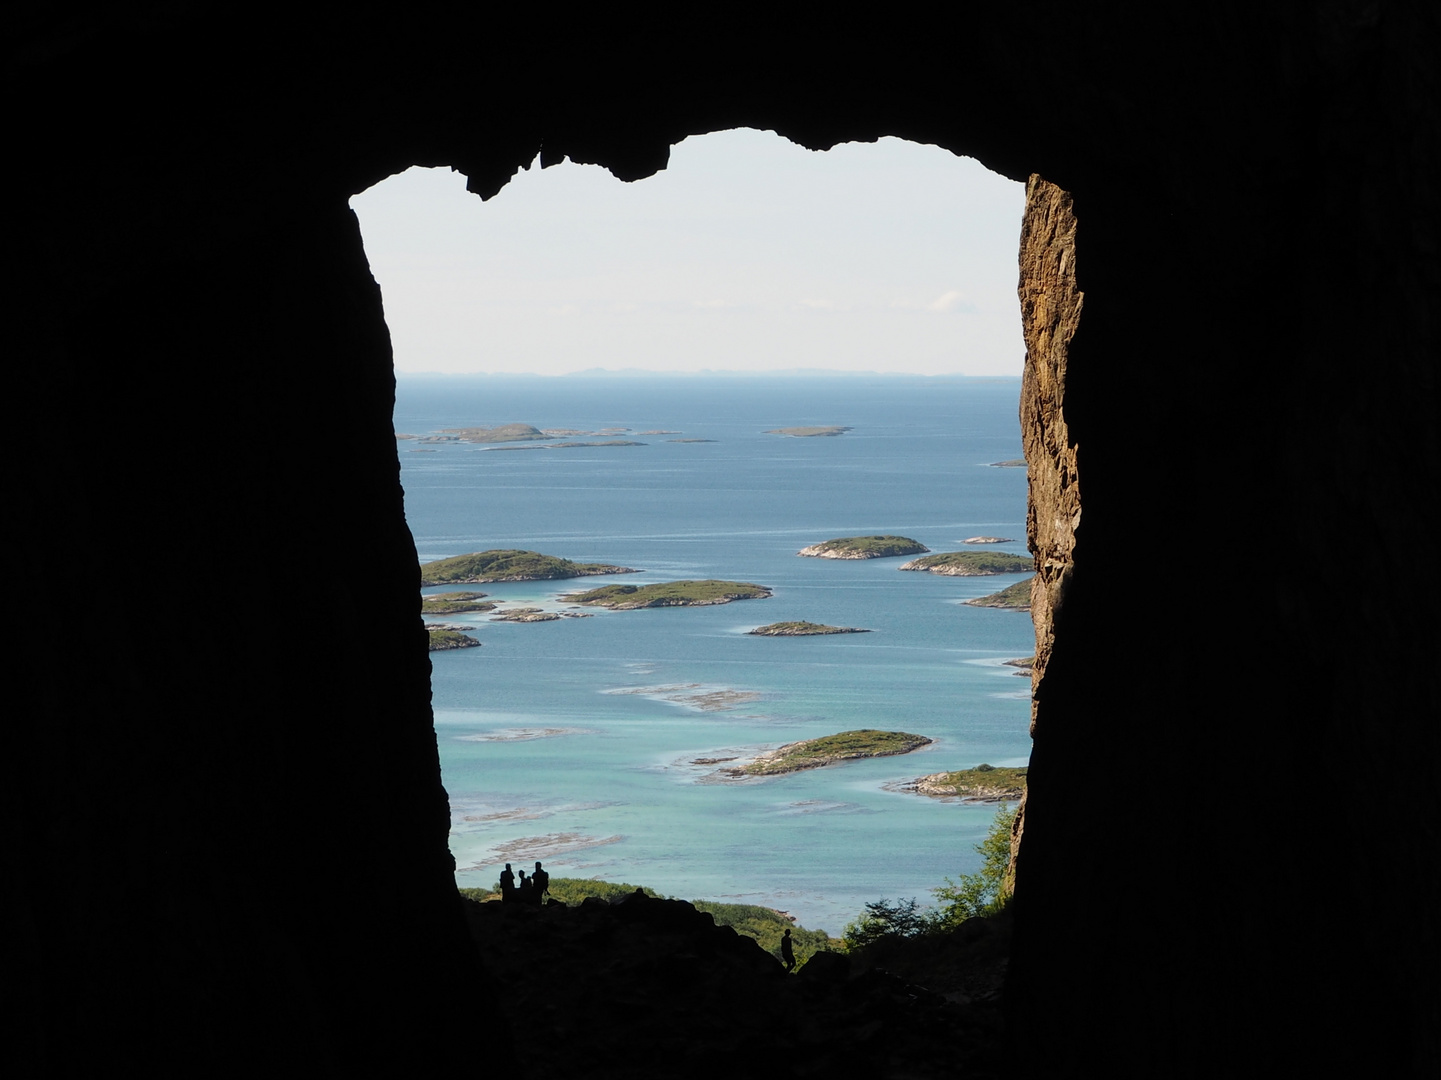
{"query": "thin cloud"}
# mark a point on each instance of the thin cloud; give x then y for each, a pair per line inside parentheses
(955, 300)
(951, 301)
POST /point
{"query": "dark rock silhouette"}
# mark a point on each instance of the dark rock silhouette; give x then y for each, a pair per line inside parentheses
(653, 988)
(1229, 280)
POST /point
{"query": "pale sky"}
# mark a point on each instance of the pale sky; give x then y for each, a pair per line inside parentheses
(747, 253)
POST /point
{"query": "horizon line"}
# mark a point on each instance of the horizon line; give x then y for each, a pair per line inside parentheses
(726, 372)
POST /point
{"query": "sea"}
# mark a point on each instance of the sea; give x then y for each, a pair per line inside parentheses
(590, 743)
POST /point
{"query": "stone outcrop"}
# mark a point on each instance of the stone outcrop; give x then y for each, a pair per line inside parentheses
(653, 988)
(1051, 306)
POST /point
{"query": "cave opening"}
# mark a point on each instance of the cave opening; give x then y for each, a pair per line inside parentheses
(1251, 396)
(888, 267)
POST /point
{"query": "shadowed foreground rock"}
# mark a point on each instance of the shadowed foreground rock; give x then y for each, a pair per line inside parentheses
(653, 988)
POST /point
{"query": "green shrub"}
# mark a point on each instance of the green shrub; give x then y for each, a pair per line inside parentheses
(982, 893)
(767, 926)
(883, 919)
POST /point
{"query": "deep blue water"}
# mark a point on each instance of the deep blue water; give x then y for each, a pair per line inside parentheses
(565, 741)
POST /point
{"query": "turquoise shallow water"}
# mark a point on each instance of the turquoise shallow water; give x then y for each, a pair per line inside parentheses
(573, 741)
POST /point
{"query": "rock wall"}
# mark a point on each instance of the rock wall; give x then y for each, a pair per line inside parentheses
(1231, 861)
(227, 825)
(1050, 314)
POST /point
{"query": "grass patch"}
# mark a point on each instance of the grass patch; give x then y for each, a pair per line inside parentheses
(762, 924)
(766, 926)
(669, 594)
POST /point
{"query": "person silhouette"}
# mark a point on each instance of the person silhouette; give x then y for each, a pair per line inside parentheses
(788, 955)
(523, 890)
(540, 882)
(507, 884)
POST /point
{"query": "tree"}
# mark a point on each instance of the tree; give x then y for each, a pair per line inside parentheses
(984, 892)
(883, 919)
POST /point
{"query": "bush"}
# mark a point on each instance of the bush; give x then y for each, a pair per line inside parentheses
(981, 893)
(984, 892)
(884, 919)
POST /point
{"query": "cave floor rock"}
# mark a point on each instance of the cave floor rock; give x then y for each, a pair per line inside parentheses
(647, 988)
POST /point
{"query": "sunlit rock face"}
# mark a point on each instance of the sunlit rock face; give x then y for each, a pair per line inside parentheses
(227, 837)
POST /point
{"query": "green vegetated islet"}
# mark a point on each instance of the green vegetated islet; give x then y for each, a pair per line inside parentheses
(764, 925)
(1015, 597)
(845, 746)
(803, 629)
(992, 783)
(864, 547)
(809, 432)
(444, 640)
(569, 445)
(971, 563)
(455, 603)
(669, 594)
(502, 433)
(509, 564)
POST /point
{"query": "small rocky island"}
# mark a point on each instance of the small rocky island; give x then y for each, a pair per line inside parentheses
(864, 547)
(984, 783)
(986, 540)
(535, 614)
(669, 594)
(803, 629)
(972, 563)
(503, 433)
(525, 614)
(454, 603)
(568, 445)
(829, 749)
(443, 640)
(809, 432)
(509, 564)
(1015, 597)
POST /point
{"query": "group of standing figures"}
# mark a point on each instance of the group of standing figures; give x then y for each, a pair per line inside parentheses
(531, 890)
